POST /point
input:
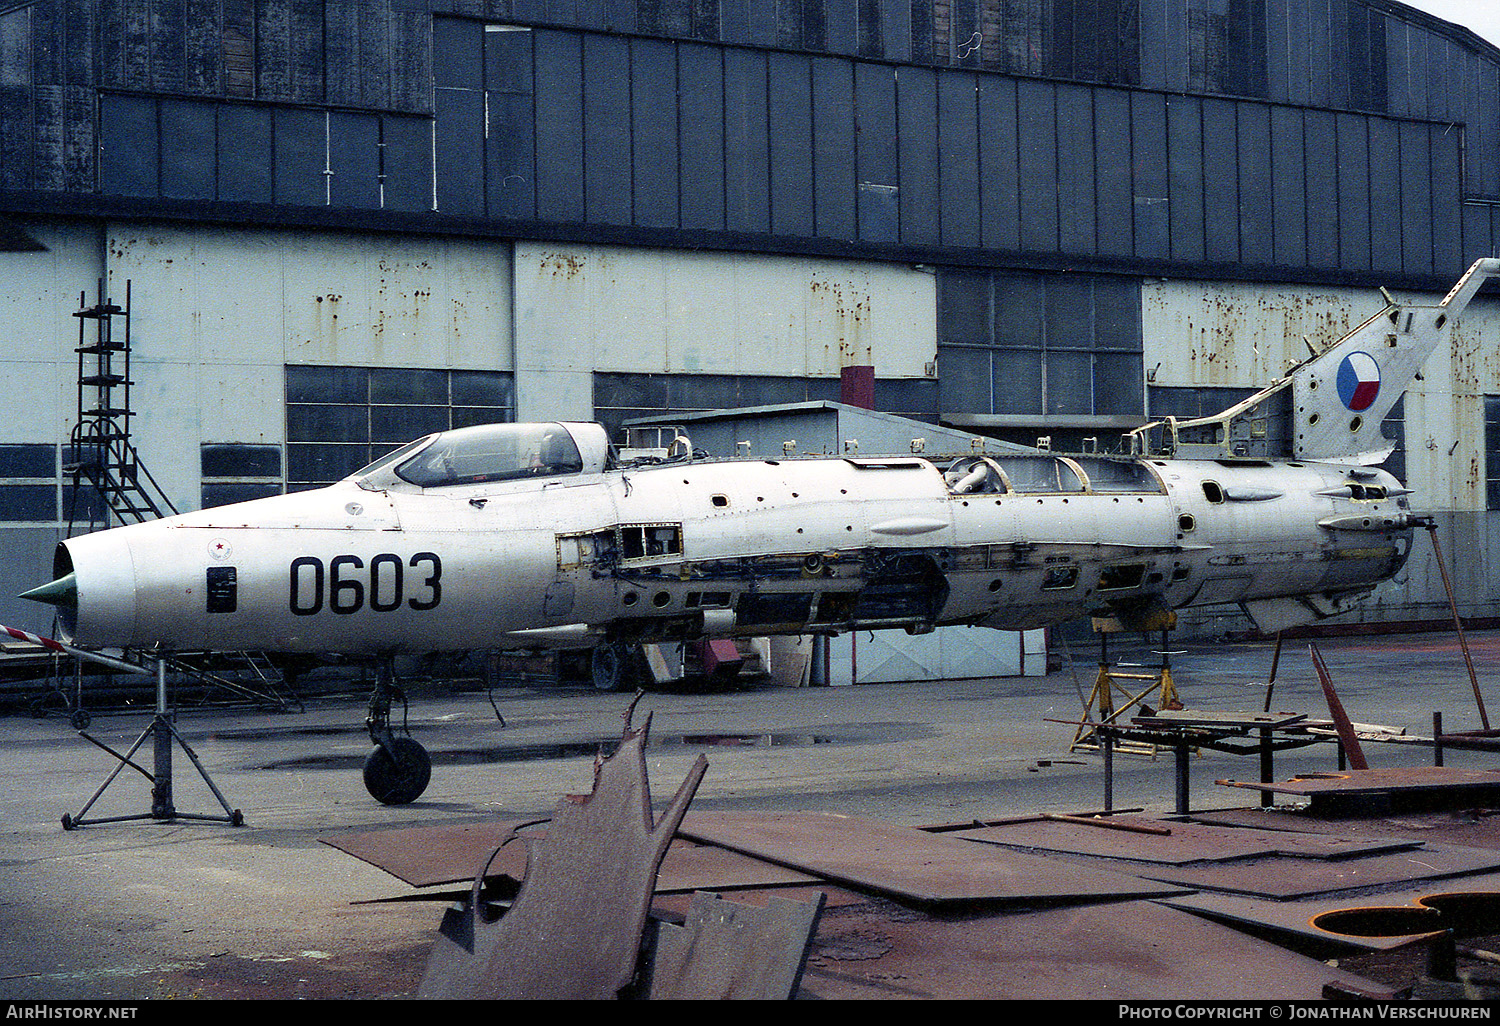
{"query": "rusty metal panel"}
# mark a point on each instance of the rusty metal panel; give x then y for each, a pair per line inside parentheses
(1182, 843)
(1294, 924)
(727, 950)
(1237, 334)
(1473, 831)
(574, 930)
(1407, 787)
(1289, 878)
(429, 856)
(924, 868)
(1137, 950)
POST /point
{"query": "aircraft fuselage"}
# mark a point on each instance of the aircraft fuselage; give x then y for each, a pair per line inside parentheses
(377, 565)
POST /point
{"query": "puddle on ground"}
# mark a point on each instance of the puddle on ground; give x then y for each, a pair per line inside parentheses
(845, 735)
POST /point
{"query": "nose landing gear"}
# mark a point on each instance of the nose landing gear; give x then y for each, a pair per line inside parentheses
(399, 769)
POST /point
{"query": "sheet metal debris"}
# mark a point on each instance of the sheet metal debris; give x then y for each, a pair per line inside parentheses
(1181, 843)
(907, 863)
(447, 854)
(1387, 789)
(574, 930)
(1132, 950)
(726, 949)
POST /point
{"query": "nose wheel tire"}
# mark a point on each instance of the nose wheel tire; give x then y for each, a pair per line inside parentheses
(616, 666)
(398, 773)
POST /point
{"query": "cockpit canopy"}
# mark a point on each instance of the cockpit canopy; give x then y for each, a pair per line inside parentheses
(491, 452)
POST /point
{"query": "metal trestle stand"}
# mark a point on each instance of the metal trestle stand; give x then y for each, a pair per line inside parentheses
(163, 733)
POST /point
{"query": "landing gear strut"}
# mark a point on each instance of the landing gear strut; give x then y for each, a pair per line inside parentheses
(398, 770)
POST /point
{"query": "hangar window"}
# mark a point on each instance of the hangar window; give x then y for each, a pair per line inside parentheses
(339, 419)
(1052, 347)
(28, 483)
(238, 472)
(1492, 451)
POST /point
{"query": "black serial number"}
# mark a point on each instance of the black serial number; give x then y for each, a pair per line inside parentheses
(347, 585)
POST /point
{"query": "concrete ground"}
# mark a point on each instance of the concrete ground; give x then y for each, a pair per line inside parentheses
(144, 909)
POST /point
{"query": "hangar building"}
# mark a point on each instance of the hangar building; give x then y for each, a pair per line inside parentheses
(344, 223)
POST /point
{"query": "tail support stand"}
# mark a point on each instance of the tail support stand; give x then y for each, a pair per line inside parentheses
(163, 733)
(1100, 707)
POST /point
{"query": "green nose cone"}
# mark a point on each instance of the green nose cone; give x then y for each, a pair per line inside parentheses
(61, 592)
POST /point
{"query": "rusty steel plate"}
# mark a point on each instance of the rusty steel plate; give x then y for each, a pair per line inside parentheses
(728, 950)
(1401, 778)
(1467, 828)
(1289, 878)
(1386, 789)
(429, 856)
(911, 864)
(1187, 842)
(574, 930)
(872, 948)
(1294, 924)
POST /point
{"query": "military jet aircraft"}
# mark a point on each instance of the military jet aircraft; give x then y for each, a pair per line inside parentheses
(536, 536)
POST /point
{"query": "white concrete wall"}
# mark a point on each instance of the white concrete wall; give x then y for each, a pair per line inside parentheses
(586, 308)
(38, 331)
(217, 313)
(1247, 335)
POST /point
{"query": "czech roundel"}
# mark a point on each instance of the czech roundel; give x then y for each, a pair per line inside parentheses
(1359, 381)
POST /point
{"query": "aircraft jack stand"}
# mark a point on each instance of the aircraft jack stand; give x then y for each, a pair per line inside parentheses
(163, 733)
(1101, 709)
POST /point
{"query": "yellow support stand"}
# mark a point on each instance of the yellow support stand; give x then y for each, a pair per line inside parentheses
(1101, 708)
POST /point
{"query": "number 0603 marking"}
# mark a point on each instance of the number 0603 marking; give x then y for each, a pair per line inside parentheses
(347, 585)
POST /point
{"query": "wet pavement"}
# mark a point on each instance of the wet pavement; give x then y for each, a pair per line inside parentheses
(144, 909)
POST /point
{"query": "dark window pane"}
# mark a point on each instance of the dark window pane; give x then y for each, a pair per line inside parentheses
(1117, 314)
(1070, 314)
(909, 397)
(1018, 382)
(404, 423)
(483, 388)
(324, 463)
(703, 392)
(241, 460)
(327, 385)
(464, 416)
(82, 505)
(1070, 387)
(28, 502)
(964, 306)
(327, 423)
(1117, 384)
(760, 390)
(28, 461)
(400, 386)
(965, 380)
(1019, 306)
(227, 494)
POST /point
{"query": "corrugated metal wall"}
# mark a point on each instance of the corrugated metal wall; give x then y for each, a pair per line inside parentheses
(908, 129)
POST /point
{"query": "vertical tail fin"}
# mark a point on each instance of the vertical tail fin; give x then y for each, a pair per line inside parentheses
(1340, 396)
